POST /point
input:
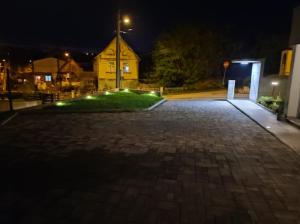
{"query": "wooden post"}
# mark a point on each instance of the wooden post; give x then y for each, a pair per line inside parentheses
(9, 95)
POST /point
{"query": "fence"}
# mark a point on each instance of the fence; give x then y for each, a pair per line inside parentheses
(34, 96)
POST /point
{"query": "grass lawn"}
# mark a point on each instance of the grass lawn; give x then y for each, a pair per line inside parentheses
(119, 101)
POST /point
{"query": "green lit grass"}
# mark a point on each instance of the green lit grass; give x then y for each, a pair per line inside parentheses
(120, 101)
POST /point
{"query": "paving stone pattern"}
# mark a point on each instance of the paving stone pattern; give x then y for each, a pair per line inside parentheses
(185, 162)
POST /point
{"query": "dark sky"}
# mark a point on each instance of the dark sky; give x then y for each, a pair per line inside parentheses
(90, 24)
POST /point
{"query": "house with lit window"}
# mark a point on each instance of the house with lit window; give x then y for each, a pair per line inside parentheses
(48, 71)
(105, 66)
(2, 78)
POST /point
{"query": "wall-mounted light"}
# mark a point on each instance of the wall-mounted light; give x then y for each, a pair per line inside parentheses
(244, 63)
(275, 83)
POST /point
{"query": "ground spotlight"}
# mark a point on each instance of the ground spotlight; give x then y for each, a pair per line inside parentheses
(60, 104)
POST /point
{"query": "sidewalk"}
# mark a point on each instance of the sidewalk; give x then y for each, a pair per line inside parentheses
(284, 131)
(217, 94)
(205, 95)
(17, 105)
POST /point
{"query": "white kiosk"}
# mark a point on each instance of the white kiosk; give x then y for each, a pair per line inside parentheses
(256, 73)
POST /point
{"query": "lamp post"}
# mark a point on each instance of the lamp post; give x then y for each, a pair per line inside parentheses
(125, 20)
(8, 84)
(59, 68)
(274, 85)
(226, 65)
(118, 50)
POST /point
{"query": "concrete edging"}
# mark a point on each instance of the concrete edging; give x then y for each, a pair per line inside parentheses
(156, 105)
(290, 121)
(9, 119)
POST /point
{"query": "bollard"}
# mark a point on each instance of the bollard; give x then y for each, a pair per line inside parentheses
(280, 112)
(161, 90)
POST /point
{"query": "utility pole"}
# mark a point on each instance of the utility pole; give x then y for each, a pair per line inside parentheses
(9, 95)
(118, 73)
(32, 66)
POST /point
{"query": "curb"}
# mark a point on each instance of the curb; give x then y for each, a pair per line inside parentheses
(263, 127)
(9, 119)
(296, 125)
(156, 105)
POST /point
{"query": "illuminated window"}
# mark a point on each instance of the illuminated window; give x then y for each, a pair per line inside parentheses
(48, 78)
(126, 67)
(111, 66)
(37, 79)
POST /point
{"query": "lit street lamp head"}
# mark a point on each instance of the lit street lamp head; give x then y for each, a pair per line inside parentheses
(126, 20)
(67, 54)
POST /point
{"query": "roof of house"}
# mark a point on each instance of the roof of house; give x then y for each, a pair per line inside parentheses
(122, 41)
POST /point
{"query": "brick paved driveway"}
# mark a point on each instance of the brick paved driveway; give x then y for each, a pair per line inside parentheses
(185, 162)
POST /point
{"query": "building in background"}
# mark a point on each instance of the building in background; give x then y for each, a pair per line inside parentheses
(286, 85)
(2, 77)
(293, 68)
(105, 66)
(52, 72)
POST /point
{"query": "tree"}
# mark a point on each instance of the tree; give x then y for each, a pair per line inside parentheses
(186, 55)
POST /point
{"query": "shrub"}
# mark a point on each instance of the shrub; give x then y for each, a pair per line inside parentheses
(205, 85)
(271, 103)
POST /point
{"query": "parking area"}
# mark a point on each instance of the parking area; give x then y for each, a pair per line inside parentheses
(184, 162)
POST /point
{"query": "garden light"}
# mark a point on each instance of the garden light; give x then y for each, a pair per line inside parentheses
(107, 93)
(60, 104)
(152, 93)
(126, 90)
(89, 97)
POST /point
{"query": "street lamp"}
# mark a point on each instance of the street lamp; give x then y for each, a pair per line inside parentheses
(226, 64)
(126, 21)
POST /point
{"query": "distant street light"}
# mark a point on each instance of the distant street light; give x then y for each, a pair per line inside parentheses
(67, 54)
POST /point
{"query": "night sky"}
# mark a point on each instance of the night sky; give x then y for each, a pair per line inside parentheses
(90, 24)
